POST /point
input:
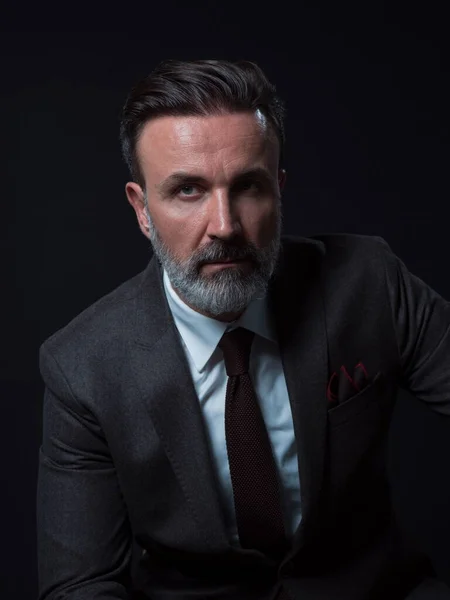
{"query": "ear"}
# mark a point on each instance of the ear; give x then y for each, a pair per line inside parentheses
(281, 178)
(135, 197)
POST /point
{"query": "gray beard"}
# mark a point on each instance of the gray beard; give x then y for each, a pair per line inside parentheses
(228, 290)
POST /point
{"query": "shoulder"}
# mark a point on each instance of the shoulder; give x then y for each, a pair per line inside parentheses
(336, 245)
(345, 252)
(98, 331)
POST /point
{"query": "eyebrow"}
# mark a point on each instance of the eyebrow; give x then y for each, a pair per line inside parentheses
(182, 177)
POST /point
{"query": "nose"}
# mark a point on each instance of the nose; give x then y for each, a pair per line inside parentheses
(223, 218)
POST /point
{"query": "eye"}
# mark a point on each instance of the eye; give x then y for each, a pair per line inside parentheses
(187, 190)
(249, 186)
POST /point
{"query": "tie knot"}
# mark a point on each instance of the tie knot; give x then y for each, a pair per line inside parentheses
(236, 346)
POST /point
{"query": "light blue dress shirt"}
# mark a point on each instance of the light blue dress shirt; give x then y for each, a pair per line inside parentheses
(200, 336)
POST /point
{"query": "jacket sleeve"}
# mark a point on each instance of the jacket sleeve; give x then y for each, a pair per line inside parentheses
(421, 319)
(83, 533)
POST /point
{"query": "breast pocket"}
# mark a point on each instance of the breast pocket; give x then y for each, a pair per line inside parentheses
(356, 427)
(357, 404)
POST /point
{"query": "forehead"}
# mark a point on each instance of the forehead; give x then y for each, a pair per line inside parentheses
(215, 143)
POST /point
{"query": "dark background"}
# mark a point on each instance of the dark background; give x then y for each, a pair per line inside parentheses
(366, 88)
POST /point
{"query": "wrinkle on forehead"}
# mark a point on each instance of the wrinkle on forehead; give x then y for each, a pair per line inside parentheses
(213, 142)
(212, 134)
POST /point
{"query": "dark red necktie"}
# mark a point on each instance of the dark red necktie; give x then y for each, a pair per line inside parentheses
(252, 466)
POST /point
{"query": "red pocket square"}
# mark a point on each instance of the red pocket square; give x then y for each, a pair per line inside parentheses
(342, 385)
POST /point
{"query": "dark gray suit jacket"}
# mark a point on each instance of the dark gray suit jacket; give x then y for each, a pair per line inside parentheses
(125, 461)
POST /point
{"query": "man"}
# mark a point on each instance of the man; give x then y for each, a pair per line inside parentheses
(216, 426)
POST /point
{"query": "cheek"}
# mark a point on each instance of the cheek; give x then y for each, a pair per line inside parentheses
(179, 235)
(262, 224)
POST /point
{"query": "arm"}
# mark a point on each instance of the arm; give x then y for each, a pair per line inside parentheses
(421, 319)
(83, 533)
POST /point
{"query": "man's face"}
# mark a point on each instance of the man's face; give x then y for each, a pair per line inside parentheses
(212, 185)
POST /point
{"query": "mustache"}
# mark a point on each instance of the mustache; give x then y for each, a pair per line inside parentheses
(215, 253)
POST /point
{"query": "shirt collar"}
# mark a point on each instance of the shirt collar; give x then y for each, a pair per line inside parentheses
(201, 334)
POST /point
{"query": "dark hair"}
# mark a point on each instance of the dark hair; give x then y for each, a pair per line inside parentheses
(201, 87)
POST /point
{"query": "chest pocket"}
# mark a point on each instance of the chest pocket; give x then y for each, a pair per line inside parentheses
(356, 427)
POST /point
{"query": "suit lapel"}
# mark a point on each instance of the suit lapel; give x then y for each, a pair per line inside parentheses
(161, 373)
(297, 306)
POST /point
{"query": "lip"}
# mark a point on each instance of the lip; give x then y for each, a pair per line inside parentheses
(224, 262)
(227, 262)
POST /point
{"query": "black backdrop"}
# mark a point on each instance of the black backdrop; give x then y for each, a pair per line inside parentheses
(367, 96)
